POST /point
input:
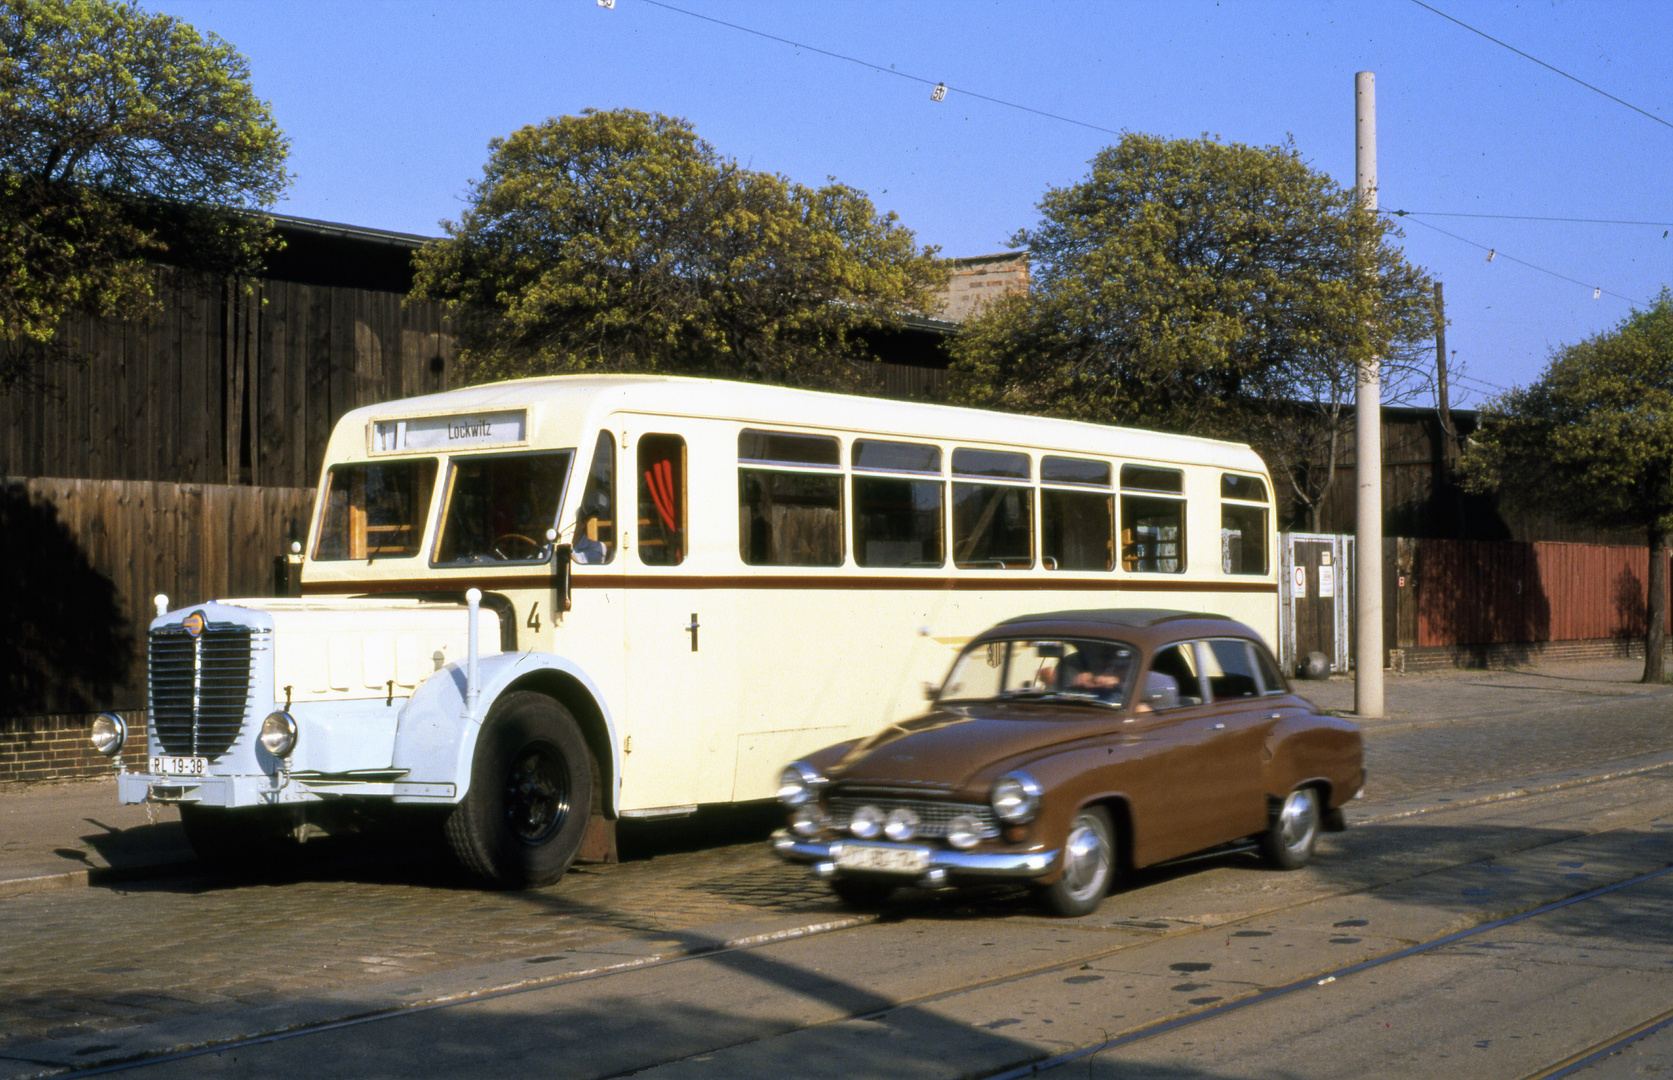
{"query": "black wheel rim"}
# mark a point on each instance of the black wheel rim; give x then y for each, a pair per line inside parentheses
(536, 793)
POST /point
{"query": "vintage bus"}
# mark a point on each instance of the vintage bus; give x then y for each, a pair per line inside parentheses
(544, 605)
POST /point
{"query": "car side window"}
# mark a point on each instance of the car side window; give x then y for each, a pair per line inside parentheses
(1229, 666)
(1178, 663)
(1271, 681)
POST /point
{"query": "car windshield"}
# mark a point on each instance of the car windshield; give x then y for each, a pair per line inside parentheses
(1059, 669)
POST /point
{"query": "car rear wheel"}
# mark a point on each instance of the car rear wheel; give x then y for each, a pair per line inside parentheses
(1088, 865)
(1288, 842)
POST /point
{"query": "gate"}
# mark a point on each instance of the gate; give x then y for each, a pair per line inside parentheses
(1315, 603)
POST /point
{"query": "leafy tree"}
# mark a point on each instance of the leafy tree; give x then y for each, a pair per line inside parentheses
(1207, 288)
(125, 137)
(1592, 441)
(621, 241)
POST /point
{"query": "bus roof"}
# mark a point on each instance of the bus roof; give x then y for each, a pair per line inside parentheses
(572, 397)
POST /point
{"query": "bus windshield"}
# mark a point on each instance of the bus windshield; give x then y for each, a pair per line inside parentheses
(375, 511)
(500, 507)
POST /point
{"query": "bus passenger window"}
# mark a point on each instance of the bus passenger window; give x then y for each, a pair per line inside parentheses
(500, 508)
(375, 511)
(1153, 523)
(1243, 526)
(1077, 527)
(897, 518)
(662, 498)
(993, 524)
(595, 521)
(789, 499)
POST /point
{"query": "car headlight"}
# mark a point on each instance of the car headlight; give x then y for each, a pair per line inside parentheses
(964, 831)
(808, 820)
(278, 733)
(866, 823)
(901, 825)
(109, 734)
(1015, 798)
(797, 783)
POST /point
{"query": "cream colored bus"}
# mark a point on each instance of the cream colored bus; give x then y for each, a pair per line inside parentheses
(548, 604)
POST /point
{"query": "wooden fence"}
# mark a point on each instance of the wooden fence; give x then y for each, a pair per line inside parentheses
(86, 557)
(222, 385)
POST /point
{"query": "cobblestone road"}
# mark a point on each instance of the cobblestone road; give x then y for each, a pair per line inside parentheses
(85, 960)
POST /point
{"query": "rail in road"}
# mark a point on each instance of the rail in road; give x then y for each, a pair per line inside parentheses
(1520, 933)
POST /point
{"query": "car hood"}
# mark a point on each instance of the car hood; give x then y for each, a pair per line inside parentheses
(948, 748)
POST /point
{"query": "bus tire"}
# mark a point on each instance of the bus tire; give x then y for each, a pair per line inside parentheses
(525, 815)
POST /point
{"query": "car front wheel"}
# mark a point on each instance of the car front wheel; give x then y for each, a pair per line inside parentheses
(1288, 842)
(1088, 865)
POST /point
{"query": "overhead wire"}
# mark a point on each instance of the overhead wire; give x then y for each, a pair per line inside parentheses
(942, 84)
(1494, 252)
(1529, 217)
(1542, 63)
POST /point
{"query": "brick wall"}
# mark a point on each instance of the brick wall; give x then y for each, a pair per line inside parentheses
(1515, 654)
(36, 748)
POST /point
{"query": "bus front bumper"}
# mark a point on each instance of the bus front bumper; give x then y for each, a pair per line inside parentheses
(927, 867)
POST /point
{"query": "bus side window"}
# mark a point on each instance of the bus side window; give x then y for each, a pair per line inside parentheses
(662, 499)
(595, 522)
(1152, 520)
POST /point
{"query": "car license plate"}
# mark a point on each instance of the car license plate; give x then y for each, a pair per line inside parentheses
(891, 860)
(170, 765)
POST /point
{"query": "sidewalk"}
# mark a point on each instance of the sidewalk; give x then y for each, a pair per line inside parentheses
(75, 833)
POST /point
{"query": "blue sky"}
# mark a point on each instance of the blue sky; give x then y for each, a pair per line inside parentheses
(390, 105)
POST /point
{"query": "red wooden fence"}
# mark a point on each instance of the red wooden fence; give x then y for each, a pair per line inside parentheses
(1472, 592)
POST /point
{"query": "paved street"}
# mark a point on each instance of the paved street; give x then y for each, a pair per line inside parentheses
(1483, 815)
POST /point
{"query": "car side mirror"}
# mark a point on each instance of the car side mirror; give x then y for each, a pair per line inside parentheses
(1160, 691)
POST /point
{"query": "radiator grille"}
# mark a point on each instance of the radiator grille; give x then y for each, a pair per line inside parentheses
(200, 688)
(933, 817)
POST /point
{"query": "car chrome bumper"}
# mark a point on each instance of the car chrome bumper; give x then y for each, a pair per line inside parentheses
(943, 867)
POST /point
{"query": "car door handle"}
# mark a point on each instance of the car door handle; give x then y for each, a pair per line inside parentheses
(1218, 727)
(1274, 716)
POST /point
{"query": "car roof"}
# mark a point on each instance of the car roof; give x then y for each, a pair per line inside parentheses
(1141, 626)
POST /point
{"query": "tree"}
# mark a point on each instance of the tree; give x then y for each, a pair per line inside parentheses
(125, 138)
(1592, 441)
(1196, 286)
(621, 241)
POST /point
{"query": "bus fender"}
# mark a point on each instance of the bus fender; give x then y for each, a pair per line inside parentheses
(436, 738)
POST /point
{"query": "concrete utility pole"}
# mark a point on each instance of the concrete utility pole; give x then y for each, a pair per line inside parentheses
(1368, 448)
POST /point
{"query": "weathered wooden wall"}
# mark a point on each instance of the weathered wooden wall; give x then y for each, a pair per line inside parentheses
(224, 385)
(86, 557)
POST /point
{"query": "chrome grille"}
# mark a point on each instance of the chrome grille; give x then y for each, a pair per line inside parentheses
(933, 817)
(200, 688)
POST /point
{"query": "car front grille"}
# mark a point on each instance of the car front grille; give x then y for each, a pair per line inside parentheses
(933, 817)
(200, 688)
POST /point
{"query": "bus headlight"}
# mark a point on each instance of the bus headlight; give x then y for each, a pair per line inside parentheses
(109, 734)
(1015, 798)
(797, 783)
(278, 733)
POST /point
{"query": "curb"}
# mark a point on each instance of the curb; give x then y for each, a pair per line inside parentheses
(95, 875)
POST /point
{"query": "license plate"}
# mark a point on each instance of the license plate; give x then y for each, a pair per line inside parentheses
(889, 860)
(170, 765)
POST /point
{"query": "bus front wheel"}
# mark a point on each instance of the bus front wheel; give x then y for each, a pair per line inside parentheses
(525, 815)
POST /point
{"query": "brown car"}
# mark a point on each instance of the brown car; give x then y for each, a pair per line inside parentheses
(1065, 745)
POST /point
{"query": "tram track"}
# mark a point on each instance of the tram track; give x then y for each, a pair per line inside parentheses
(753, 943)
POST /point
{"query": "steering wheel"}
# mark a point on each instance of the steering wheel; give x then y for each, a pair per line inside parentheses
(534, 546)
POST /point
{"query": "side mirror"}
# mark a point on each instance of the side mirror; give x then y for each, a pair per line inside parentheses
(1160, 691)
(561, 555)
